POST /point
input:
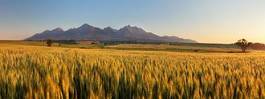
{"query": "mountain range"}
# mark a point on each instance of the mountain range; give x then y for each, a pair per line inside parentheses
(88, 32)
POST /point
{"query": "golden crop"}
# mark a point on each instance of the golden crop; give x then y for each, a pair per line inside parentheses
(53, 73)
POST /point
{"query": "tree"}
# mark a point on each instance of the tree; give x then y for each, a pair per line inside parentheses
(49, 43)
(243, 44)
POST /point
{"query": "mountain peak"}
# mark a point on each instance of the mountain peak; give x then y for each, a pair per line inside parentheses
(85, 26)
(109, 29)
(130, 28)
(58, 29)
(46, 31)
(106, 28)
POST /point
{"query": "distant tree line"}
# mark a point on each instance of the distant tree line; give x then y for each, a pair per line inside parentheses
(140, 42)
(50, 42)
(67, 41)
(243, 44)
(170, 43)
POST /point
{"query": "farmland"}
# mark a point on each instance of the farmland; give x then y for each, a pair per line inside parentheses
(57, 72)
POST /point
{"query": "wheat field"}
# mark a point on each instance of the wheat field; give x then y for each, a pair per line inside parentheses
(68, 73)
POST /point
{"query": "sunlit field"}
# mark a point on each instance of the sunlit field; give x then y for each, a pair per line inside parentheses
(72, 73)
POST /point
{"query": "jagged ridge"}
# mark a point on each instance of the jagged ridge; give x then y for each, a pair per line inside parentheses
(87, 32)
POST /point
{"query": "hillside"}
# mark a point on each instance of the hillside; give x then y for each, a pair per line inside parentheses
(258, 46)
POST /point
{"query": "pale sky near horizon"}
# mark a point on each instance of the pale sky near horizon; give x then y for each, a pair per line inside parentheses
(207, 21)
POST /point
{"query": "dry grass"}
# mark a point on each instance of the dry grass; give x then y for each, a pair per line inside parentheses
(41, 72)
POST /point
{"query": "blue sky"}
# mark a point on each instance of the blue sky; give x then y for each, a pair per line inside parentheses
(214, 21)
